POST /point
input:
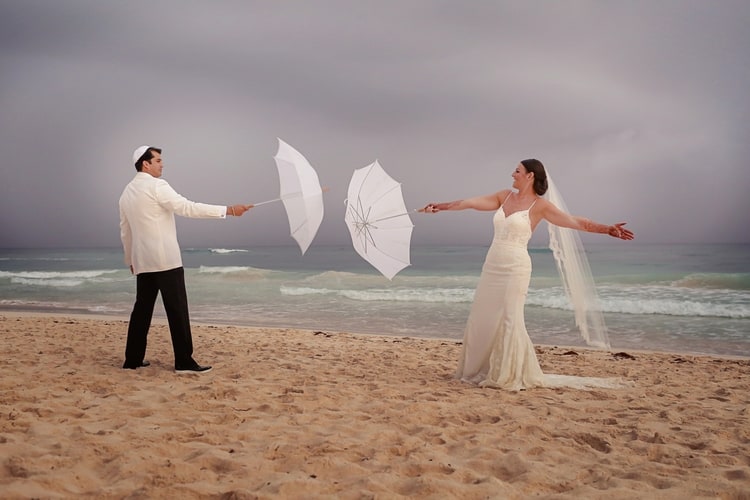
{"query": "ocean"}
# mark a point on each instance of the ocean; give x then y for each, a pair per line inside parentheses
(675, 298)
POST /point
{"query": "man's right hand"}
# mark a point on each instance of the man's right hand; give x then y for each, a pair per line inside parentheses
(238, 210)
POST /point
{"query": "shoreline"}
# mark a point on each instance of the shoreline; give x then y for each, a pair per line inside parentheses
(83, 314)
(300, 413)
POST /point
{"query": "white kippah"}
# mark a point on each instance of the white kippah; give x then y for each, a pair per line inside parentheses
(139, 152)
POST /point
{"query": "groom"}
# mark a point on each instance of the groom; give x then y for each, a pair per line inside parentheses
(149, 238)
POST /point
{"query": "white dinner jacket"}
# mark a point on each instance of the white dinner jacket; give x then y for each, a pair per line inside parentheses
(147, 225)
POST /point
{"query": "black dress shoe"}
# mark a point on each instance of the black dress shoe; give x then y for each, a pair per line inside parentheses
(196, 368)
(143, 364)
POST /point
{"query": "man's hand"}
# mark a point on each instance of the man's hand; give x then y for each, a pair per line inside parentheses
(238, 210)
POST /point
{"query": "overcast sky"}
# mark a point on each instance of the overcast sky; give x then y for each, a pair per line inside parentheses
(638, 109)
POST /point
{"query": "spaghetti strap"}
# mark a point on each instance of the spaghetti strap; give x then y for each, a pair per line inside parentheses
(506, 199)
(502, 205)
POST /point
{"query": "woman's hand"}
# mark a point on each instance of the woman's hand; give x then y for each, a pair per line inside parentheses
(430, 208)
(618, 231)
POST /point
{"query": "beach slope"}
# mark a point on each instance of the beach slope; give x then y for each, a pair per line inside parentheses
(302, 414)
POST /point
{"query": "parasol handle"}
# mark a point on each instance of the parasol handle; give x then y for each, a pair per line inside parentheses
(286, 197)
(397, 215)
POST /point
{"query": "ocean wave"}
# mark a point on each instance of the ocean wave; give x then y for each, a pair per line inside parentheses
(344, 279)
(240, 272)
(214, 250)
(445, 295)
(653, 306)
(43, 305)
(736, 281)
(633, 303)
(339, 278)
(301, 290)
(39, 259)
(227, 250)
(339, 275)
(677, 308)
(56, 278)
(40, 304)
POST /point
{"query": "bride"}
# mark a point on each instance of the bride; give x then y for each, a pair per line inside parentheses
(497, 350)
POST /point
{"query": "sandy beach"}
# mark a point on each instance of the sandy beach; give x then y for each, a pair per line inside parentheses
(310, 414)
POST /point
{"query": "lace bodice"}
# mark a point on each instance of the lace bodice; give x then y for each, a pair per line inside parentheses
(512, 230)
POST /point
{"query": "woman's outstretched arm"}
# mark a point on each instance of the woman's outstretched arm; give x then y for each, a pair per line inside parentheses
(554, 215)
(486, 202)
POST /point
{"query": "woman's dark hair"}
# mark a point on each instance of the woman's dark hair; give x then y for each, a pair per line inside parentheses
(147, 156)
(540, 176)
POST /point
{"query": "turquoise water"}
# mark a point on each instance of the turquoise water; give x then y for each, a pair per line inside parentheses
(680, 298)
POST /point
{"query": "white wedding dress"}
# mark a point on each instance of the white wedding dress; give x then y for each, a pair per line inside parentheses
(497, 351)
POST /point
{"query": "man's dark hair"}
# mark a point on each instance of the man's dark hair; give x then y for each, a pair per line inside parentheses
(147, 156)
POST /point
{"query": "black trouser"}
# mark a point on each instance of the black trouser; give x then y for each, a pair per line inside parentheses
(171, 284)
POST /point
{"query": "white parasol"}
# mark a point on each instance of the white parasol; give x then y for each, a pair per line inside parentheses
(300, 193)
(378, 220)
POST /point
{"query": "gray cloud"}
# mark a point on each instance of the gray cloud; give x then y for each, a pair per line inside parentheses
(638, 109)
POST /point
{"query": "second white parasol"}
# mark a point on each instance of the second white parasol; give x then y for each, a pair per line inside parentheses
(378, 221)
